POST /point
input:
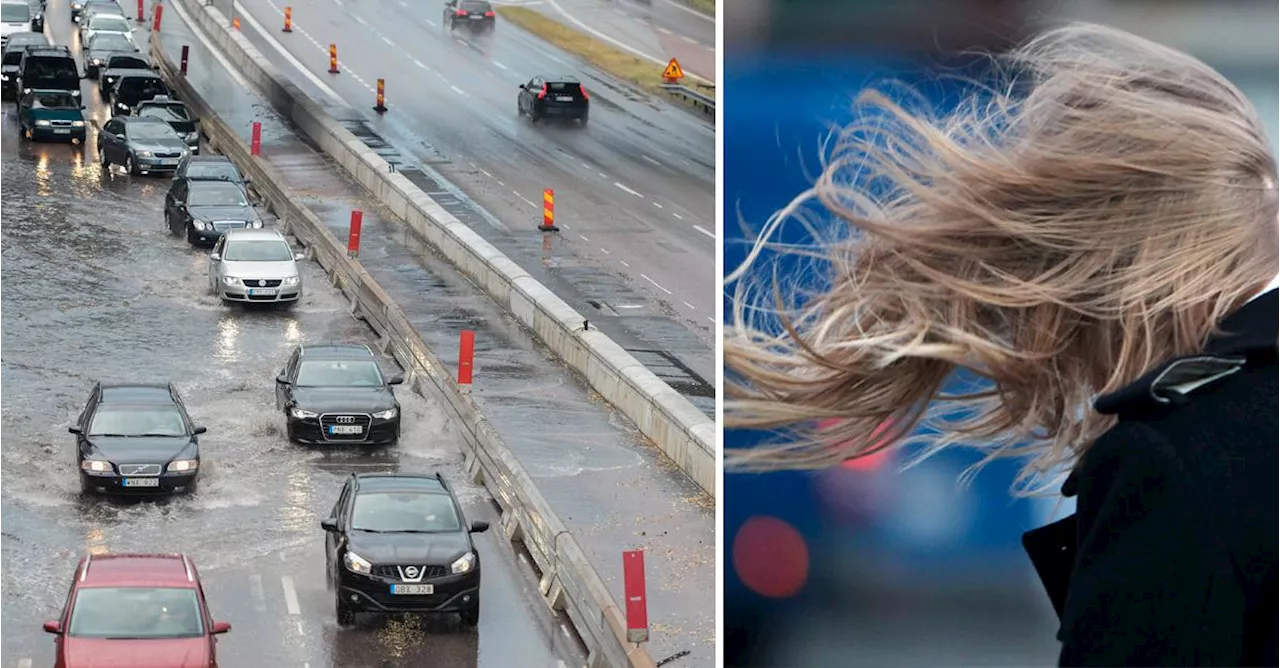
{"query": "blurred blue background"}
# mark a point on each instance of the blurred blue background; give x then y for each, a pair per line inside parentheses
(865, 565)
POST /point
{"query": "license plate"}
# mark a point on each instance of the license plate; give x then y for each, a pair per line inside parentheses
(476, 18)
(141, 482)
(345, 429)
(263, 292)
(62, 131)
(167, 162)
(564, 98)
(413, 590)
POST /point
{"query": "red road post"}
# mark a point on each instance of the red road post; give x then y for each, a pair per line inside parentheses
(637, 603)
(333, 59)
(548, 211)
(288, 19)
(182, 64)
(381, 105)
(466, 359)
(353, 236)
(255, 141)
(142, 10)
(155, 25)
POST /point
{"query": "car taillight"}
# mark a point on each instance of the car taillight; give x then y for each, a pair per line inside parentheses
(490, 14)
(542, 93)
(460, 12)
(584, 92)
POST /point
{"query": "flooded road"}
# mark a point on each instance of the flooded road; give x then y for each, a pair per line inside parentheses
(94, 288)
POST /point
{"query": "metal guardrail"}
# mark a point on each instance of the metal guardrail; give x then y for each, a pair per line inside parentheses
(706, 102)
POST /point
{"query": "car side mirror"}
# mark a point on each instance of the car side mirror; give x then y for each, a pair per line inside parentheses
(220, 627)
(53, 626)
(282, 380)
(82, 107)
(479, 526)
(247, 180)
(521, 86)
(74, 430)
(330, 524)
(299, 256)
(215, 257)
(397, 379)
(200, 429)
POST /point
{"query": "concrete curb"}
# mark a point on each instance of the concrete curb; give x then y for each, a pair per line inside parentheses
(663, 415)
(568, 581)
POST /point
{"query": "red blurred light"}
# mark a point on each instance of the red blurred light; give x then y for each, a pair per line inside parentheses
(770, 557)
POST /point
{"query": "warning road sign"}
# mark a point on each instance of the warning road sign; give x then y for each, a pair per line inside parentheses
(673, 73)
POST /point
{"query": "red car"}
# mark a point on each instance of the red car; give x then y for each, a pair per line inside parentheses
(136, 611)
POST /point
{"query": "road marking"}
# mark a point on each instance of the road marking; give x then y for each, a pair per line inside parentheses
(259, 597)
(691, 306)
(622, 45)
(713, 320)
(655, 203)
(499, 65)
(584, 238)
(24, 663)
(690, 10)
(419, 63)
(624, 263)
(704, 231)
(626, 189)
(650, 159)
(678, 216)
(431, 23)
(655, 284)
(290, 595)
(360, 21)
(389, 42)
(688, 39)
(285, 52)
(526, 200)
(457, 90)
(462, 42)
(602, 175)
(603, 250)
(665, 31)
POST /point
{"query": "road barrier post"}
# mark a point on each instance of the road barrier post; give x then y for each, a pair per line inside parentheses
(333, 59)
(142, 11)
(235, 23)
(466, 359)
(548, 211)
(353, 235)
(381, 106)
(182, 65)
(288, 19)
(155, 25)
(255, 143)
(633, 589)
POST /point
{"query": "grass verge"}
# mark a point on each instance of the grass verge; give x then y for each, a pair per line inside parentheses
(707, 7)
(637, 71)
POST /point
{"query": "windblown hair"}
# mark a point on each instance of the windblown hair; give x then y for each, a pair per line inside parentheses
(1058, 237)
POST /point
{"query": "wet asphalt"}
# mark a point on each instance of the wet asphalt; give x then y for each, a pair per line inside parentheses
(96, 289)
(613, 490)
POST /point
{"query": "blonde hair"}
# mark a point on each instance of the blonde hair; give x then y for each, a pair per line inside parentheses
(1060, 237)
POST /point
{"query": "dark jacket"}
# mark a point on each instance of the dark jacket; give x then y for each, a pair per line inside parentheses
(1170, 558)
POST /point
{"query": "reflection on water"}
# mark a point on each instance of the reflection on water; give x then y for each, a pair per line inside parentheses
(228, 337)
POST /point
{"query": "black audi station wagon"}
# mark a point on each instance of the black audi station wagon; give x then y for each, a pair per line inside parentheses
(335, 393)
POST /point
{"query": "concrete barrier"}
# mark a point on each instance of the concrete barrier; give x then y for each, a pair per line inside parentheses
(663, 415)
(568, 581)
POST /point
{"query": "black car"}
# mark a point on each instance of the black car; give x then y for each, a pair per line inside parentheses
(209, 168)
(78, 7)
(204, 210)
(101, 47)
(177, 115)
(561, 97)
(11, 61)
(48, 68)
(142, 145)
(134, 86)
(136, 437)
(336, 393)
(118, 64)
(400, 543)
(474, 15)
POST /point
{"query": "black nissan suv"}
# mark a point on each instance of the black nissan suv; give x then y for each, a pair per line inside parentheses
(136, 438)
(400, 544)
(335, 393)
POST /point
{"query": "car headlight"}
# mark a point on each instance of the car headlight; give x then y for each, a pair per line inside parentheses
(180, 465)
(76, 5)
(42, 123)
(302, 413)
(254, 224)
(97, 61)
(77, 124)
(356, 563)
(191, 136)
(4, 77)
(145, 154)
(95, 465)
(26, 90)
(74, 93)
(464, 564)
(387, 414)
(293, 280)
(230, 280)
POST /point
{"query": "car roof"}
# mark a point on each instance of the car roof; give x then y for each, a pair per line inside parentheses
(140, 119)
(107, 570)
(21, 40)
(561, 78)
(209, 158)
(334, 351)
(248, 233)
(49, 51)
(209, 184)
(427, 483)
(145, 74)
(135, 393)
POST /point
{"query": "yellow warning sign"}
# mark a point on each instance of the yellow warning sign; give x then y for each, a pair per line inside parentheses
(673, 73)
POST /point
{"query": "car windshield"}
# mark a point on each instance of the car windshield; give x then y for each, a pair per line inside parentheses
(15, 13)
(136, 612)
(339, 373)
(109, 24)
(257, 251)
(213, 193)
(51, 69)
(481, 7)
(56, 100)
(12, 57)
(387, 512)
(150, 130)
(142, 421)
(143, 88)
(128, 63)
(165, 112)
(213, 170)
(110, 41)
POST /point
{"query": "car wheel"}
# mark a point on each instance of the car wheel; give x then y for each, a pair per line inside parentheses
(582, 122)
(129, 166)
(346, 616)
(470, 617)
(533, 116)
(519, 110)
(191, 235)
(103, 159)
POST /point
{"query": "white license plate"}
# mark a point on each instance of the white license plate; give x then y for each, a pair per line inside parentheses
(476, 17)
(413, 590)
(255, 292)
(167, 162)
(564, 98)
(141, 482)
(62, 131)
(345, 429)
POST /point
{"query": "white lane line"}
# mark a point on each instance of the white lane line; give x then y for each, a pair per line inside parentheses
(626, 189)
(526, 200)
(657, 205)
(485, 173)
(603, 250)
(565, 226)
(704, 231)
(290, 595)
(602, 175)
(713, 320)
(457, 90)
(281, 555)
(419, 63)
(360, 21)
(691, 306)
(688, 39)
(388, 41)
(462, 42)
(499, 65)
(678, 216)
(665, 31)
(690, 10)
(24, 663)
(285, 52)
(655, 284)
(584, 238)
(645, 157)
(255, 589)
(624, 263)
(501, 183)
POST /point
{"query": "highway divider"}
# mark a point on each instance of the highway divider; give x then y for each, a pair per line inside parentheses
(661, 413)
(568, 581)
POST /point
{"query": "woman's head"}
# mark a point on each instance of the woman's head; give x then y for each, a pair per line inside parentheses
(1060, 235)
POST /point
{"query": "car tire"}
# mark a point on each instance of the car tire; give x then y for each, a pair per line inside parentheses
(130, 166)
(470, 617)
(103, 159)
(345, 615)
(582, 122)
(533, 116)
